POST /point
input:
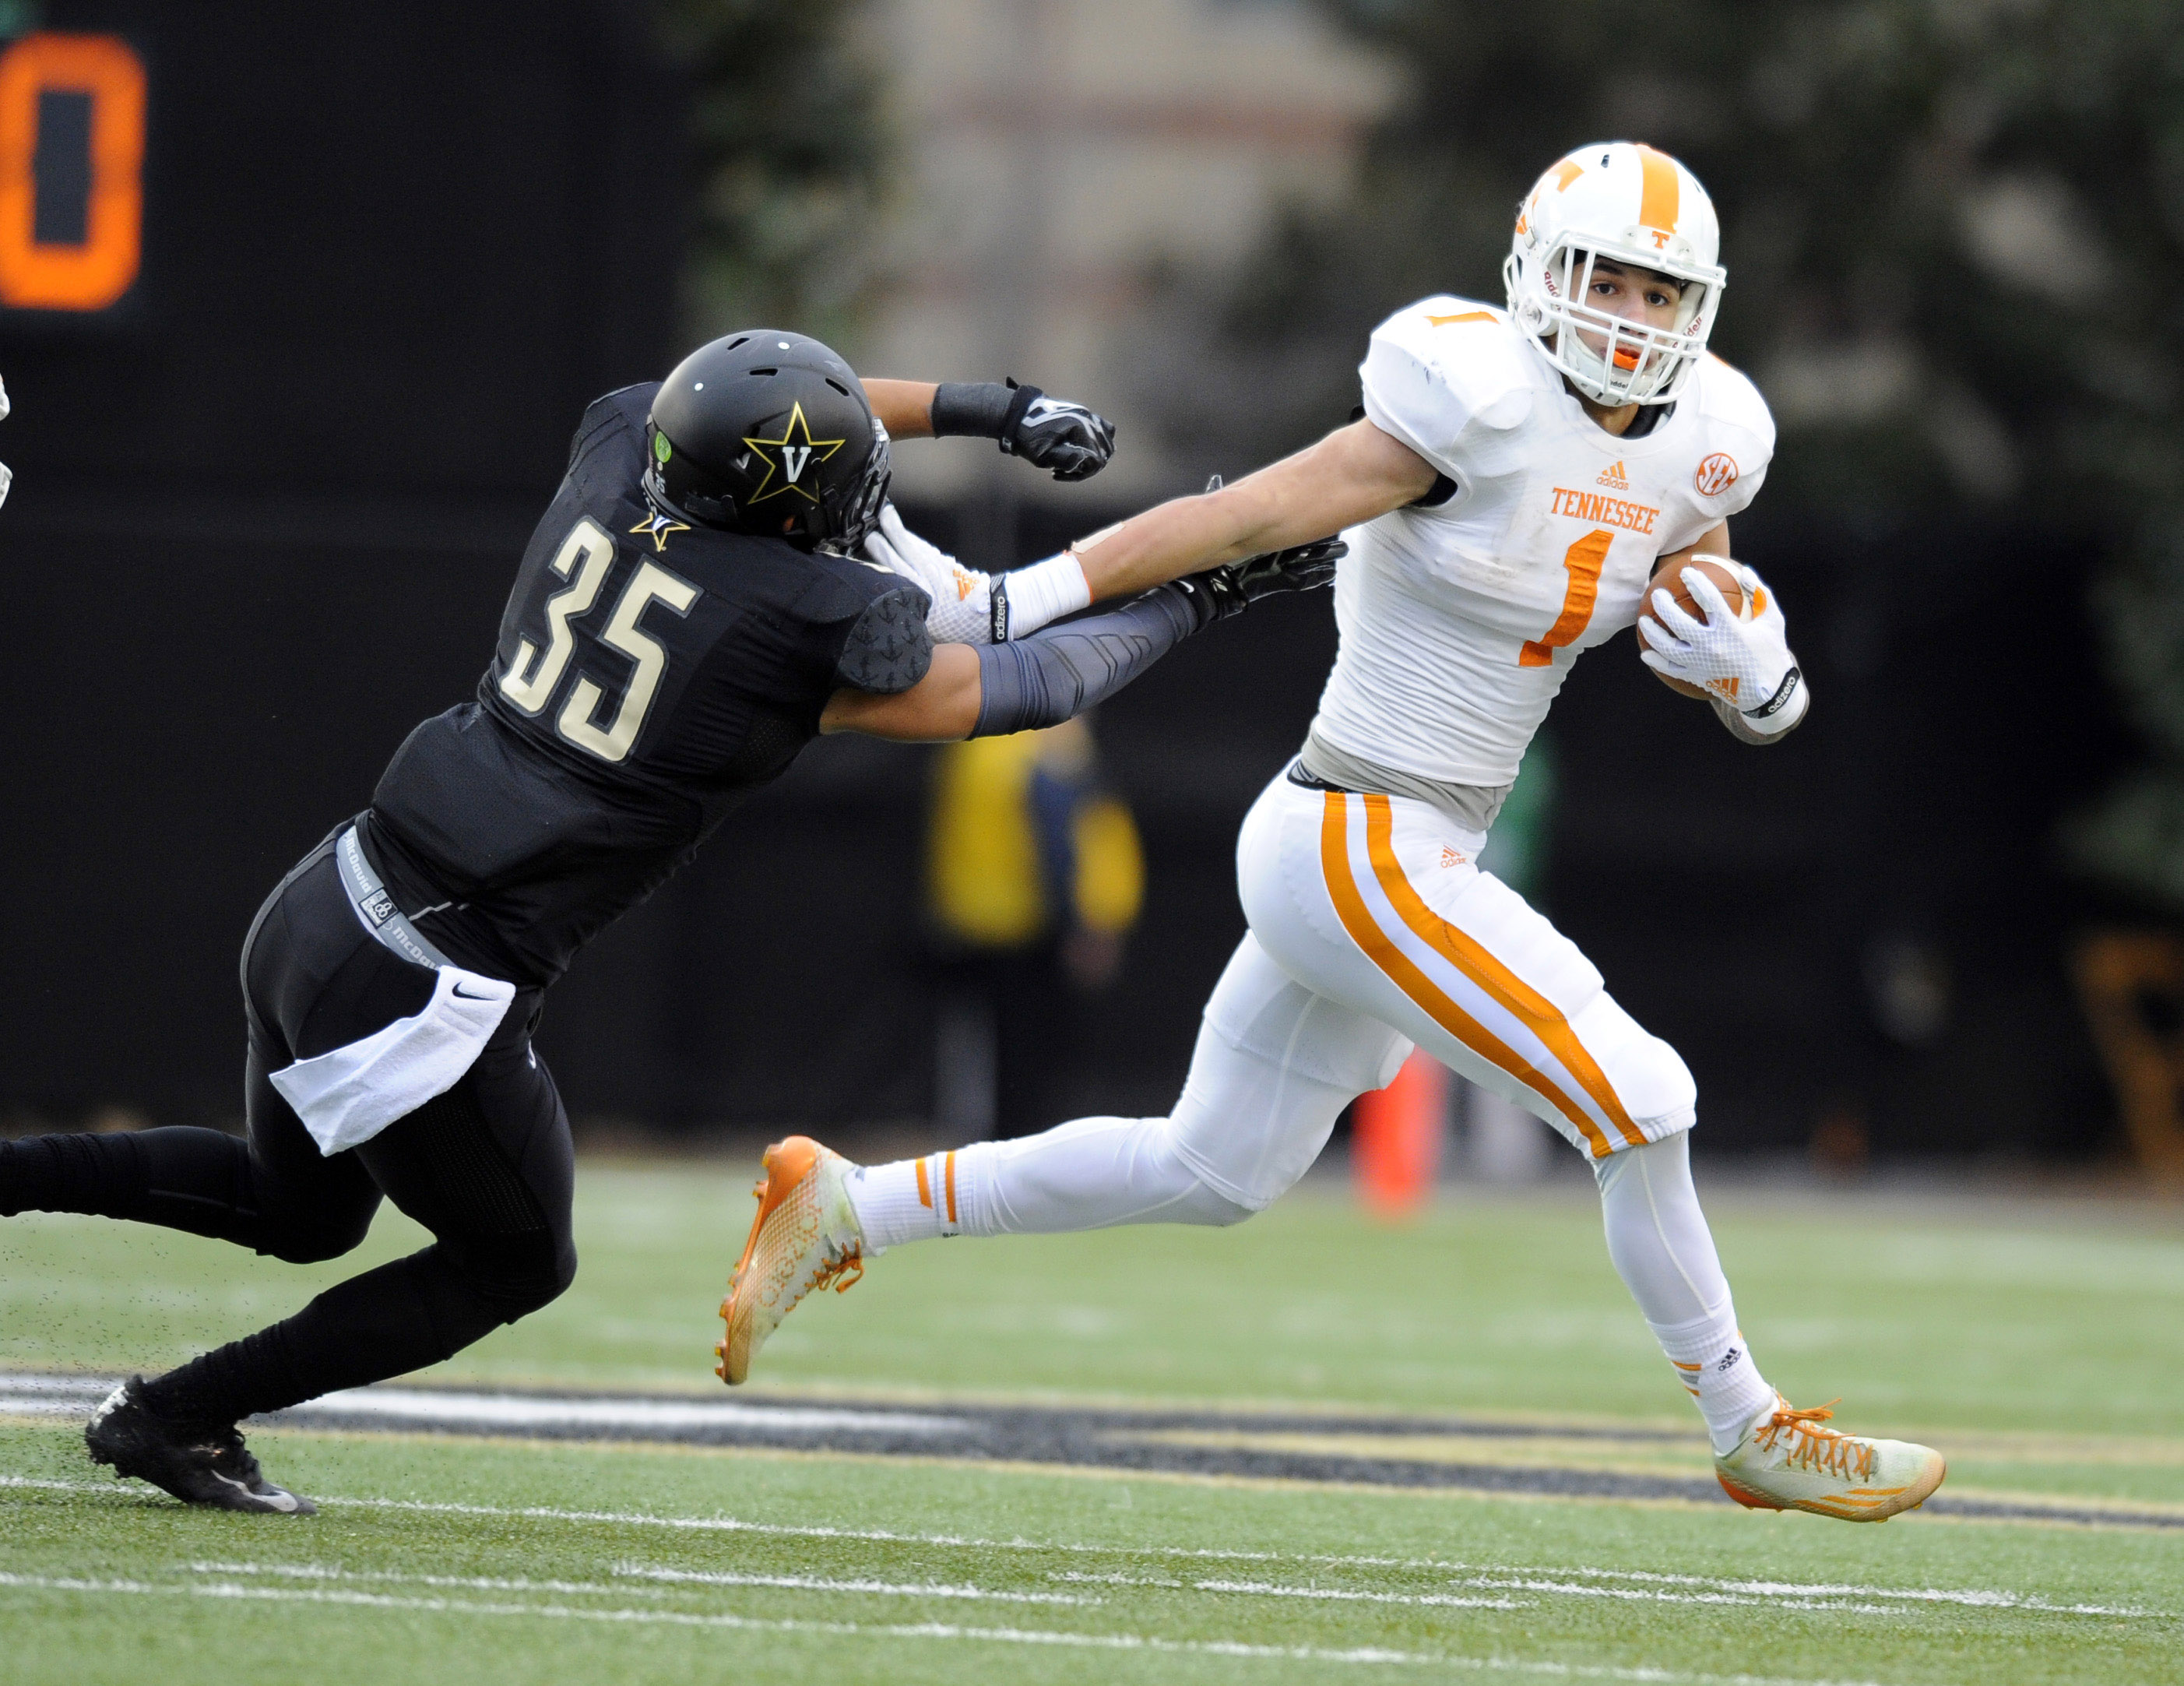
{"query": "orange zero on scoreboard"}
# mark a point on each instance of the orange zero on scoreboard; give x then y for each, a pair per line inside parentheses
(71, 171)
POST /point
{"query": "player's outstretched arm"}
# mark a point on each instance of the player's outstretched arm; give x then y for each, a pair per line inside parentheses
(1072, 440)
(1355, 473)
(1350, 476)
(1046, 678)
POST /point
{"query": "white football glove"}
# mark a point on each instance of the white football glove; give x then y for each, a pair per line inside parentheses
(963, 598)
(969, 607)
(1744, 663)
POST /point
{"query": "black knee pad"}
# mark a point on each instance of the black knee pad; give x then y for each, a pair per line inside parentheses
(514, 1274)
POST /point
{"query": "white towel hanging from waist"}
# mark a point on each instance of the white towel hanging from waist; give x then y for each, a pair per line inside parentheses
(349, 1094)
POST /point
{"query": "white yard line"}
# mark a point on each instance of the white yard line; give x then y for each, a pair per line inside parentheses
(920, 1630)
(621, 1588)
(481, 1584)
(1974, 1597)
(822, 1585)
(1768, 1591)
(520, 1411)
(36, 1396)
(1270, 1589)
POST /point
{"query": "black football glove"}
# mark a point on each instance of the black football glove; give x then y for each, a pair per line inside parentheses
(1221, 593)
(1052, 432)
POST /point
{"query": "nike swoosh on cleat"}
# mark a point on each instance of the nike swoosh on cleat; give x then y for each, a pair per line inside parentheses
(275, 1500)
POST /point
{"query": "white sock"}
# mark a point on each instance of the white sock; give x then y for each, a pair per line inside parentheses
(908, 1200)
(1658, 1238)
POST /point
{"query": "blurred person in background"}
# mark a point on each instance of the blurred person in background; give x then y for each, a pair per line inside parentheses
(1525, 481)
(1035, 877)
(691, 612)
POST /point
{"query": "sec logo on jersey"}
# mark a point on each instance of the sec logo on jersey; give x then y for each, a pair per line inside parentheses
(1716, 475)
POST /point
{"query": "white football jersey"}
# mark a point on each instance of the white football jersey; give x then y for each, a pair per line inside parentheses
(1459, 623)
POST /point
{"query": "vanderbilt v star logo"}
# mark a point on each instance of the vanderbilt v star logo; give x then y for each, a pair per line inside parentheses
(657, 524)
(788, 457)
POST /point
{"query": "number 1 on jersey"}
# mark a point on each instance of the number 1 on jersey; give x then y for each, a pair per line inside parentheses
(1583, 559)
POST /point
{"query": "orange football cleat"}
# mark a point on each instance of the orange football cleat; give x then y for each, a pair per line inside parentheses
(1787, 1460)
(804, 1236)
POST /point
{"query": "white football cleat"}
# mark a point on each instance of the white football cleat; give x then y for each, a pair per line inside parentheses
(805, 1236)
(1785, 1460)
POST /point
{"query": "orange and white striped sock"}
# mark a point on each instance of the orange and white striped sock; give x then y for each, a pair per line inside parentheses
(908, 1200)
(1715, 1364)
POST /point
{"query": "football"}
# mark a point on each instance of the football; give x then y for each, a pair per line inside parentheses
(1668, 578)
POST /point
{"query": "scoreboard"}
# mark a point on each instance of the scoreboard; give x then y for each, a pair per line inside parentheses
(259, 243)
(71, 171)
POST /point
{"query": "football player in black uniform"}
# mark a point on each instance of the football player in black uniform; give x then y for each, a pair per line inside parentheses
(689, 614)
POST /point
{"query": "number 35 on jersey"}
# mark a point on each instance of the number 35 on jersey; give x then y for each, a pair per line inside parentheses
(594, 719)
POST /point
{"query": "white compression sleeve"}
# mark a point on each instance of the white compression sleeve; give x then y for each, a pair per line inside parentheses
(1089, 1174)
(1246, 1129)
(1663, 1249)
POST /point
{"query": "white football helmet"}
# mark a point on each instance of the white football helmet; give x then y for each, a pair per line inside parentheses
(1636, 206)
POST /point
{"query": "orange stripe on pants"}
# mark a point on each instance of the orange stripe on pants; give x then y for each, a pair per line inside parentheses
(1380, 948)
(951, 1185)
(924, 1187)
(1538, 1015)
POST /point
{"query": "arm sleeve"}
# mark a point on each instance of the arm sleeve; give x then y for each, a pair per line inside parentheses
(888, 649)
(1063, 670)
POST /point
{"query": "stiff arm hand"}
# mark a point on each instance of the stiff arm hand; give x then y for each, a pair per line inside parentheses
(971, 607)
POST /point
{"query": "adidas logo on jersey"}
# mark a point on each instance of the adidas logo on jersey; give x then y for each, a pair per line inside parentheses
(1613, 477)
(1450, 857)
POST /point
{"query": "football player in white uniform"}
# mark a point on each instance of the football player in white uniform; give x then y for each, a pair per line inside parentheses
(1520, 473)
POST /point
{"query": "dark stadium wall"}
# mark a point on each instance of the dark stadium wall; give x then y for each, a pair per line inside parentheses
(267, 504)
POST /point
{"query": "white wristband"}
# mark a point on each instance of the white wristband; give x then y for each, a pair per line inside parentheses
(1781, 713)
(1027, 598)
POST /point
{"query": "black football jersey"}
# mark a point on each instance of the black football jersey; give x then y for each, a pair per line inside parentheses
(649, 671)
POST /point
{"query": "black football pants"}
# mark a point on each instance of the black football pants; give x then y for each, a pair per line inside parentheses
(486, 1167)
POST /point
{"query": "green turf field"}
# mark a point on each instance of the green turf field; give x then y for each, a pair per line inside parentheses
(2038, 1346)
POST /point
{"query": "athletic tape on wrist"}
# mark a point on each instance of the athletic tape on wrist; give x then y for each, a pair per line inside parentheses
(977, 410)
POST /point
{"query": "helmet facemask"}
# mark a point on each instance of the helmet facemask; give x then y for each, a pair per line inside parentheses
(1633, 362)
(861, 504)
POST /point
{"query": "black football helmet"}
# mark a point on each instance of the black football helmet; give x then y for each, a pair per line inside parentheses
(768, 432)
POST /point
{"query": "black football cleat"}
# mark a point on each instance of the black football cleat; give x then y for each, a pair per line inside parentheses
(199, 1465)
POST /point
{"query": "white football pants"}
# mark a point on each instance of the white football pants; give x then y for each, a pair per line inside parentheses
(1371, 930)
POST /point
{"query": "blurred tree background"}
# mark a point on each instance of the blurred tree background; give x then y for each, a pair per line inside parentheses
(1950, 227)
(788, 147)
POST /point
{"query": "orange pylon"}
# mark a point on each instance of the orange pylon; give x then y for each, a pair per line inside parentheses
(1396, 1135)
